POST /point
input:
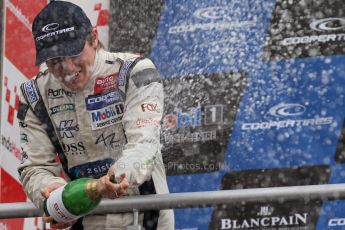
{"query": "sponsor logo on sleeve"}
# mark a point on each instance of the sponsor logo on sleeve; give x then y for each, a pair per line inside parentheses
(94, 102)
(124, 69)
(106, 116)
(151, 107)
(143, 122)
(30, 92)
(105, 84)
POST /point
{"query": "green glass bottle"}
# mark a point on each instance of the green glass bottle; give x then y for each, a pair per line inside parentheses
(73, 200)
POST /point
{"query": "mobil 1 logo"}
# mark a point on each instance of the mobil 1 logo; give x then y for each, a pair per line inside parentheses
(198, 114)
(194, 117)
(300, 29)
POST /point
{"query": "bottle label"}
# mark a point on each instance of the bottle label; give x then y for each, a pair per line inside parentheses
(57, 209)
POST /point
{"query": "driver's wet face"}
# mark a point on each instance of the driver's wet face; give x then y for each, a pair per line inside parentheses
(74, 72)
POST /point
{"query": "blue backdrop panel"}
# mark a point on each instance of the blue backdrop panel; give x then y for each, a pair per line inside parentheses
(210, 36)
(288, 117)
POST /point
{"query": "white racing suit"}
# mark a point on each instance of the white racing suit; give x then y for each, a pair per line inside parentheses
(114, 120)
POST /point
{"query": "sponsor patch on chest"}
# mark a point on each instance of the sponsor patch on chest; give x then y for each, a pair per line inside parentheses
(105, 84)
(62, 108)
(100, 101)
(106, 116)
(95, 169)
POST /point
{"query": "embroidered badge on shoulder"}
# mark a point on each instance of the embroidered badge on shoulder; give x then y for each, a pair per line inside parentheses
(124, 69)
(30, 91)
(105, 84)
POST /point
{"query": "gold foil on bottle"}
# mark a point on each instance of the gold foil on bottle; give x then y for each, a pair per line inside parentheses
(91, 190)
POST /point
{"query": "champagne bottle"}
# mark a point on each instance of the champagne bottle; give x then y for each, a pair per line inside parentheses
(73, 200)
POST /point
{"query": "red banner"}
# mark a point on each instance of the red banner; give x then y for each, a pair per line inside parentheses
(19, 45)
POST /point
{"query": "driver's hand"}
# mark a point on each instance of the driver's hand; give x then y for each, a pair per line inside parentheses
(48, 219)
(110, 189)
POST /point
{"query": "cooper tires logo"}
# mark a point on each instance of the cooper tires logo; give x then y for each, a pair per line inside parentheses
(285, 113)
(336, 222)
(283, 110)
(50, 27)
(218, 18)
(328, 24)
(212, 13)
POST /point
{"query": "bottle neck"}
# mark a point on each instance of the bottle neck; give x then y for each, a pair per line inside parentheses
(91, 190)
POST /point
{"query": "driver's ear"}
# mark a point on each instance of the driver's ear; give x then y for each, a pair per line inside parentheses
(94, 37)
